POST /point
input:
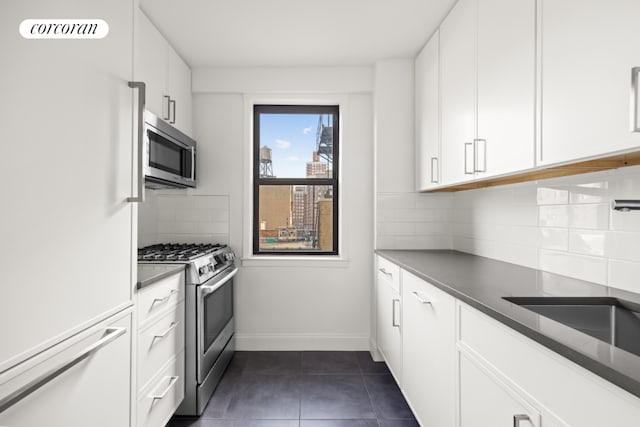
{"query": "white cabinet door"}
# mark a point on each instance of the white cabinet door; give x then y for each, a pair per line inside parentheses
(486, 402)
(66, 227)
(588, 50)
(167, 76)
(96, 391)
(428, 115)
(150, 64)
(179, 88)
(458, 91)
(506, 86)
(428, 351)
(388, 315)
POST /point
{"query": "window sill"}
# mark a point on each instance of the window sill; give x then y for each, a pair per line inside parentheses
(321, 261)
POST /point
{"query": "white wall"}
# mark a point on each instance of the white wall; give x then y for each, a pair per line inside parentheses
(394, 122)
(289, 305)
(404, 219)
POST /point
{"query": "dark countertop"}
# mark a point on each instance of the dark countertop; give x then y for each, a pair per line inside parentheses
(151, 273)
(482, 282)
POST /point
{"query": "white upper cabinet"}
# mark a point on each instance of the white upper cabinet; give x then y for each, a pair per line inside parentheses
(150, 64)
(427, 115)
(487, 57)
(589, 48)
(67, 229)
(179, 88)
(458, 91)
(505, 140)
(167, 76)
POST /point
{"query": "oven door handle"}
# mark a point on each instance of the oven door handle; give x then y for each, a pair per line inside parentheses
(206, 290)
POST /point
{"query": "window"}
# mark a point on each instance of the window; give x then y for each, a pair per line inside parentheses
(295, 179)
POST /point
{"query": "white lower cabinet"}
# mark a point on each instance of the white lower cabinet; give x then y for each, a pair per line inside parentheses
(95, 391)
(388, 316)
(564, 393)
(160, 350)
(428, 351)
(459, 367)
(485, 401)
(158, 401)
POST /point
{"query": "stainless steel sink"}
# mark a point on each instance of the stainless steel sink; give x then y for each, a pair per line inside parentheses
(612, 320)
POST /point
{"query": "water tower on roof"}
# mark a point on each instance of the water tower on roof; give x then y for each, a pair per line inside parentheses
(324, 139)
(266, 165)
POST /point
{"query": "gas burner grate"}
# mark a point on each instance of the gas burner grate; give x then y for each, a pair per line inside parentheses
(176, 251)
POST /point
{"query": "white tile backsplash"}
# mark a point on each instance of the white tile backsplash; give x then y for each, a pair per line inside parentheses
(624, 275)
(184, 218)
(593, 269)
(553, 216)
(623, 246)
(552, 196)
(587, 242)
(562, 225)
(413, 221)
(554, 238)
(589, 216)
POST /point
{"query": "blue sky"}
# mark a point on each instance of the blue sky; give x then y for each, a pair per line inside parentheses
(292, 139)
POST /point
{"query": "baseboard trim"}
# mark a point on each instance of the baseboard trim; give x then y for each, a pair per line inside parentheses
(375, 353)
(297, 342)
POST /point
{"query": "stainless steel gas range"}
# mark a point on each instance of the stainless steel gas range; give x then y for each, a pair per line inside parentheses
(209, 323)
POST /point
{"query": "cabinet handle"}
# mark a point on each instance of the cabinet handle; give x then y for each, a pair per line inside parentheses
(476, 158)
(164, 334)
(635, 126)
(172, 381)
(520, 417)
(385, 272)
(172, 102)
(141, 102)
(433, 168)
(393, 313)
(466, 158)
(110, 335)
(419, 298)
(168, 98)
(164, 299)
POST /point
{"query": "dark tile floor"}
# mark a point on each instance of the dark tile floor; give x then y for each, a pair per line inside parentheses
(304, 389)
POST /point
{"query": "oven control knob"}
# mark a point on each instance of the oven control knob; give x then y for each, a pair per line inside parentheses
(203, 270)
(229, 256)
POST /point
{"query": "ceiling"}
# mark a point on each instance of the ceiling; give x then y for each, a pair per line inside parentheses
(236, 33)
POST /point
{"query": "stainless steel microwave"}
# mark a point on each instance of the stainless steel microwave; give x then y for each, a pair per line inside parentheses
(170, 155)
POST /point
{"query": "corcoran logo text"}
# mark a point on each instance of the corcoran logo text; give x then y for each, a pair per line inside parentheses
(64, 28)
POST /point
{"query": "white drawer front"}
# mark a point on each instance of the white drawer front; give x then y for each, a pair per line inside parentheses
(486, 401)
(157, 297)
(158, 401)
(557, 383)
(158, 343)
(95, 392)
(388, 272)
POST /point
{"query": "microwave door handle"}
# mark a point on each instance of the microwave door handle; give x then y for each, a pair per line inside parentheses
(206, 290)
(141, 103)
(193, 163)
